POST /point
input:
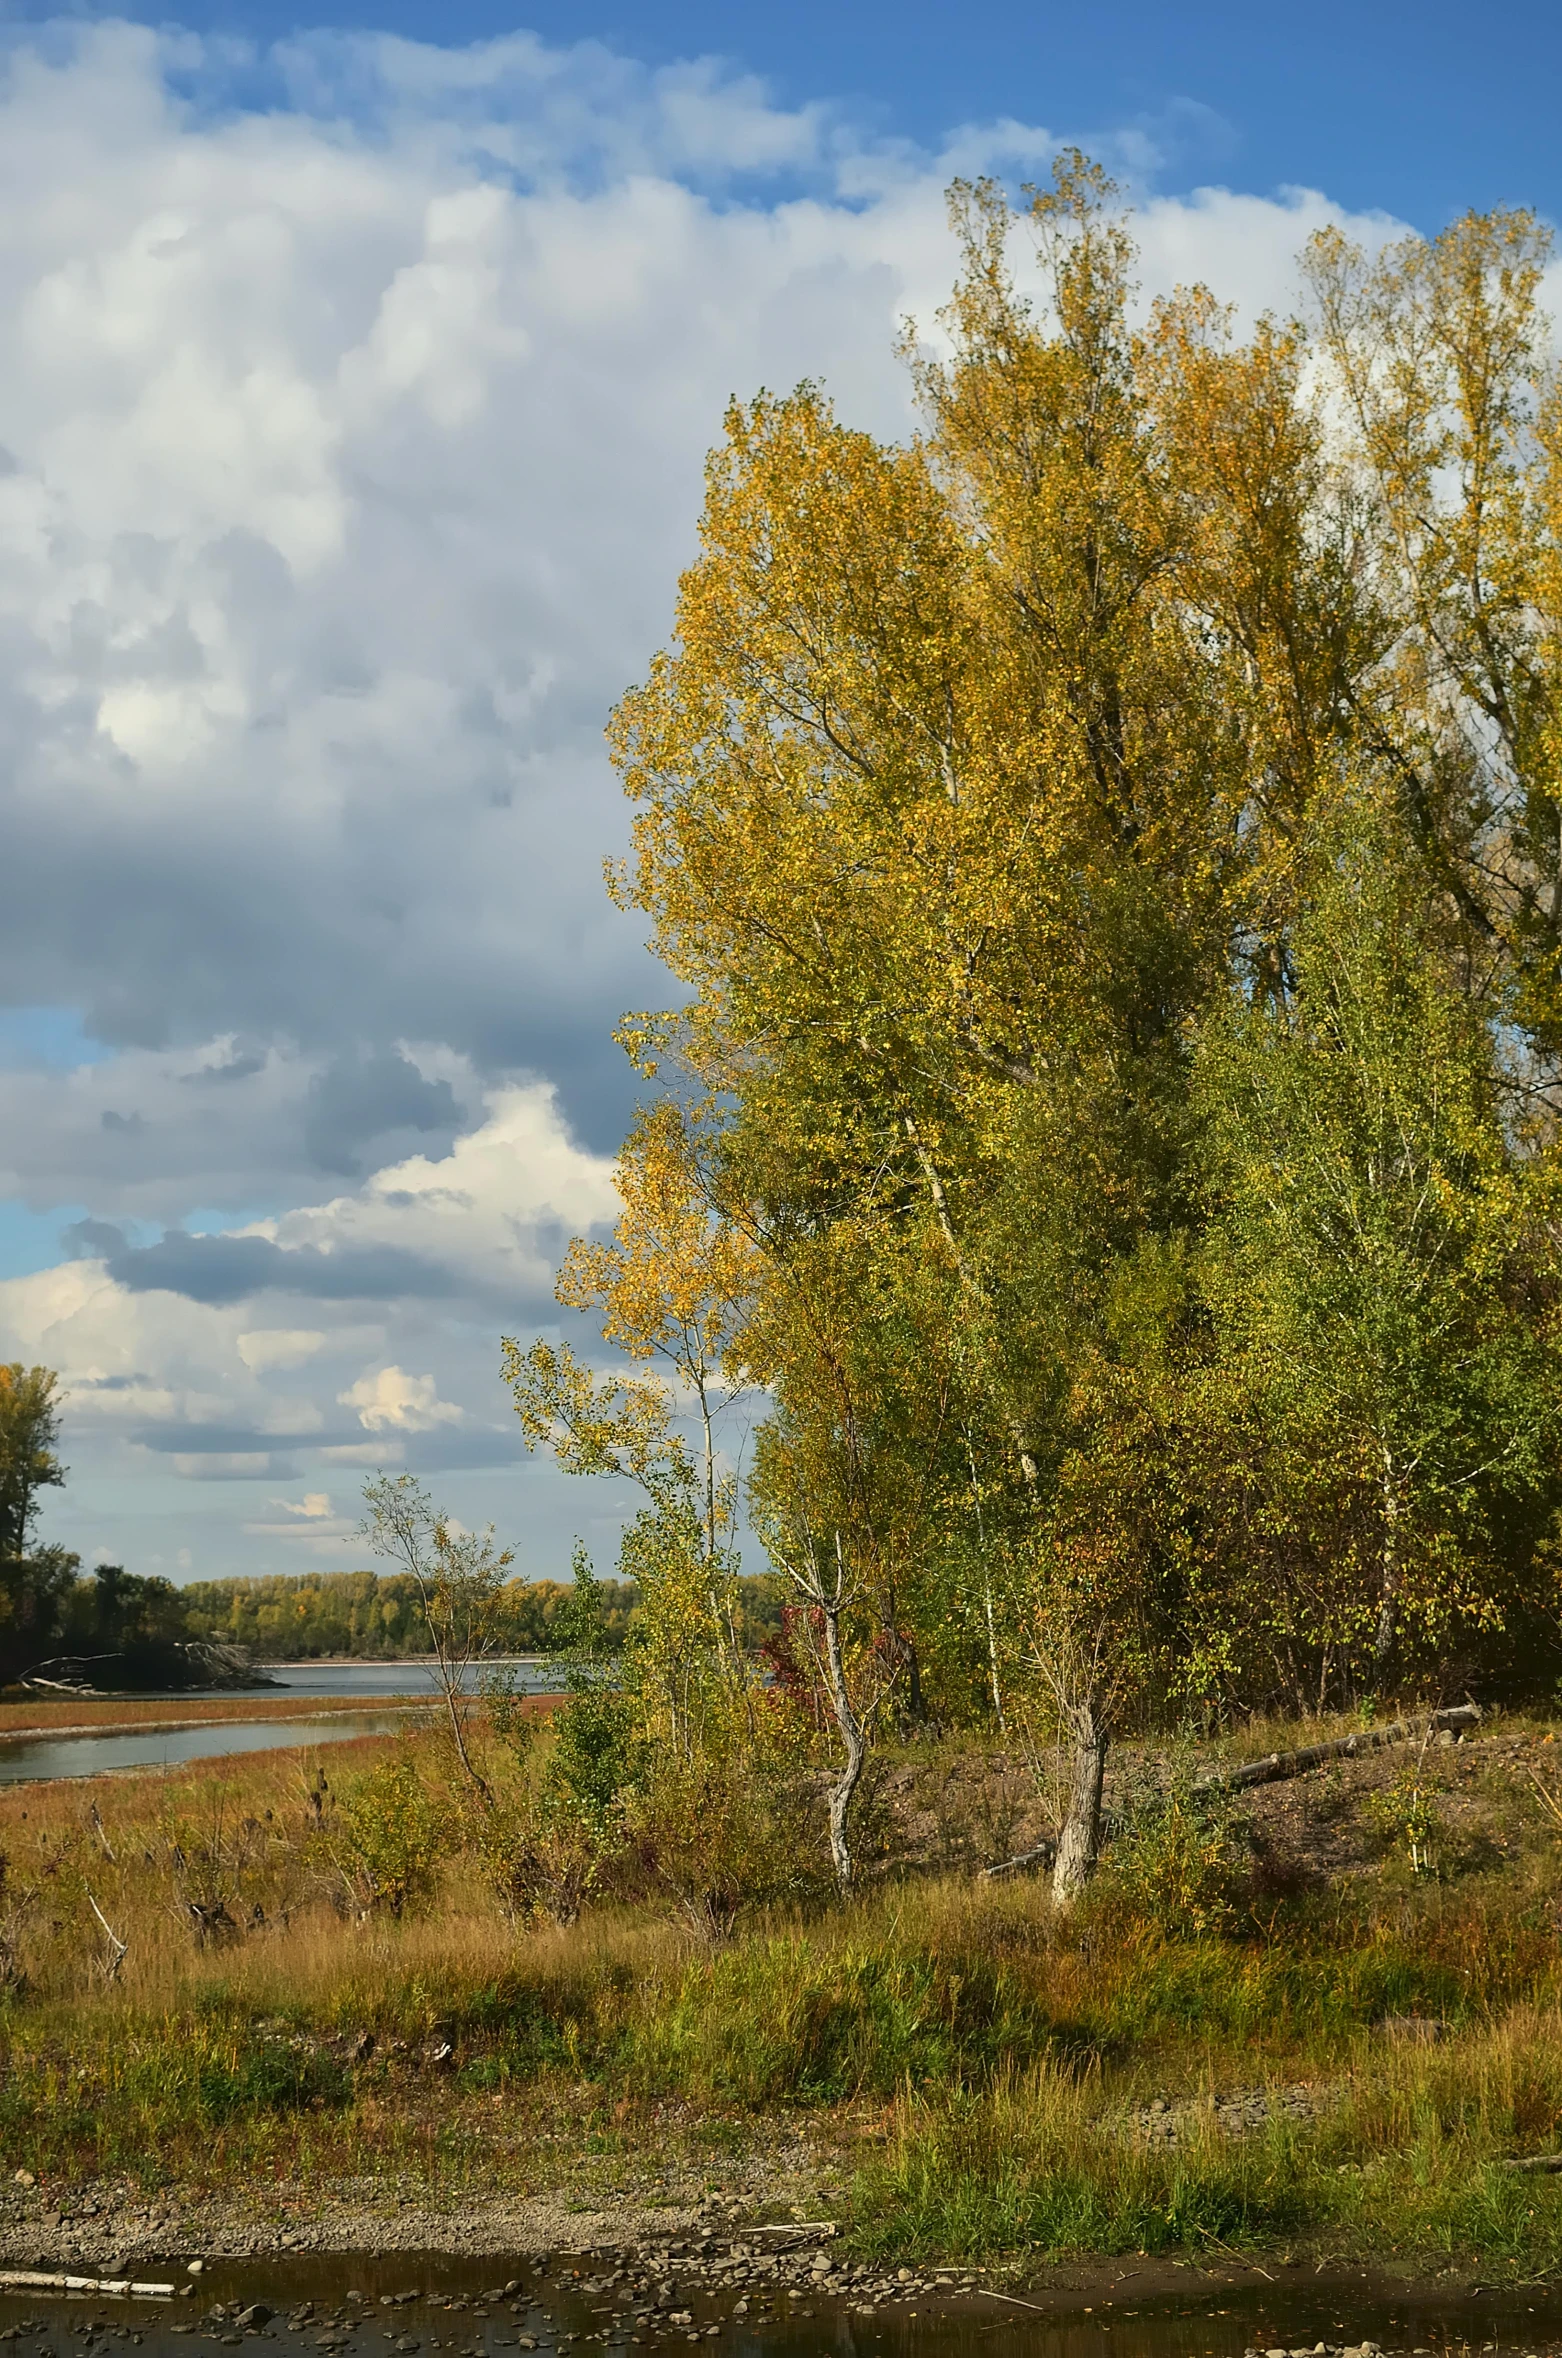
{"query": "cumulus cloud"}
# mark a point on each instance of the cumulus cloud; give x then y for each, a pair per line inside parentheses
(390, 1400)
(351, 424)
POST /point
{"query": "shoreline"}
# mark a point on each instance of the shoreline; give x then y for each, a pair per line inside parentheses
(343, 1708)
(707, 2243)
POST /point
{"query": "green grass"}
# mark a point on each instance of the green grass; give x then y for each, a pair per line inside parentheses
(968, 2065)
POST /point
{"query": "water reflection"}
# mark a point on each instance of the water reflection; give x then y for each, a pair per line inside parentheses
(405, 2307)
(522, 1672)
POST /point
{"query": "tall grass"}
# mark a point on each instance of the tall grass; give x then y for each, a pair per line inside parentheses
(997, 2053)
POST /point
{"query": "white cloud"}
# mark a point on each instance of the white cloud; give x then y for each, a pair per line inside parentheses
(280, 1346)
(314, 1505)
(391, 1400)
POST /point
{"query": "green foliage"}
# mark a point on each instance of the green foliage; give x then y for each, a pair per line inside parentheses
(1408, 1815)
(34, 1581)
(396, 1832)
(375, 1616)
(1176, 1861)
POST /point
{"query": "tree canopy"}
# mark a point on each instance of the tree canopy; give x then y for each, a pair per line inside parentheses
(1110, 846)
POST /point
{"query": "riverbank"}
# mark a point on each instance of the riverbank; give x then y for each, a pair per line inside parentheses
(1269, 2033)
(120, 1715)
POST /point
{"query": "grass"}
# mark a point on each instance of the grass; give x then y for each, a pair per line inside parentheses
(968, 2070)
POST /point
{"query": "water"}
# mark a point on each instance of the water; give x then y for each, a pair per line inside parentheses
(392, 1678)
(28, 1760)
(401, 2306)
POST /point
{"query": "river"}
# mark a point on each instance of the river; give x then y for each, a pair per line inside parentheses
(27, 1759)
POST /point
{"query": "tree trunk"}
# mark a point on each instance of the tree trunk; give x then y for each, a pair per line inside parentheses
(1080, 1840)
(1383, 1641)
(992, 1661)
(844, 1791)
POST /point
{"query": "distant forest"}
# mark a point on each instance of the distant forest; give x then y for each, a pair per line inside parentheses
(372, 1616)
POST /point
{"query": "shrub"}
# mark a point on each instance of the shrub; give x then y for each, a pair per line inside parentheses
(716, 1834)
(1176, 1861)
(395, 1832)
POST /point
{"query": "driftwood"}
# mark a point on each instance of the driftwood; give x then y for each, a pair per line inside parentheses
(175, 1666)
(1543, 2165)
(1042, 1856)
(40, 2280)
(118, 1950)
(788, 2235)
(1276, 1767)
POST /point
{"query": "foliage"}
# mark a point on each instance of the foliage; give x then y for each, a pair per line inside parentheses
(1176, 1861)
(1408, 1815)
(396, 1833)
(1107, 848)
(34, 1581)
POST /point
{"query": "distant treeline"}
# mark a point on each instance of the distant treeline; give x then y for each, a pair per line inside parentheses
(374, 1615)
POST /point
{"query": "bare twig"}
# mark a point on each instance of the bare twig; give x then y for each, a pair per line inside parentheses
(119, 1949)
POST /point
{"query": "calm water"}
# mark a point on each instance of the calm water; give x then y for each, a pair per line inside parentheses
(394, 1678)
(26, 1760)
(457, 2307)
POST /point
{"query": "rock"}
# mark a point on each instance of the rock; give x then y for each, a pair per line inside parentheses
(25, 2178)
(255, 2316)
(194, 2267)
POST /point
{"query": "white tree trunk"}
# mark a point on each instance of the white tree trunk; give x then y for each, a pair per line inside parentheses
(1388, 1595)
(844, 1790)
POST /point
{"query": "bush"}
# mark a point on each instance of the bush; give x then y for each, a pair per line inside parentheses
(596, 1758)
(1407, 1817)
(716, 1834)
(1175, 1861)
(395, 1832)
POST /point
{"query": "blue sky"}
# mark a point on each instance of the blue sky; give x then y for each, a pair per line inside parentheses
(352, 411)
(1424, 110)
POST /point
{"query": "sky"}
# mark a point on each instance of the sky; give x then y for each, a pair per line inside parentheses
(357, 381)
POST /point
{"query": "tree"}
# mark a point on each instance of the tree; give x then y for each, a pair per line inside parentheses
(934, 811)
(1110, 850)
(458, 1577)
(1378, 1274)
(33, 1581)
(668, 1287)
(29, 1459)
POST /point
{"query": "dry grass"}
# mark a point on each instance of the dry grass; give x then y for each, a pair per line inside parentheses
(979, 2063)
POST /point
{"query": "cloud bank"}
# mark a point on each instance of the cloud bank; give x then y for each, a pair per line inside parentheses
(352, 415)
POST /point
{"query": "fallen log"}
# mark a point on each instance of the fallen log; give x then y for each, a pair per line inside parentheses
(1043, 1855)
(45, 2280)
(1547, 2165)
(1275, 1767)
